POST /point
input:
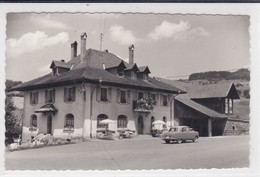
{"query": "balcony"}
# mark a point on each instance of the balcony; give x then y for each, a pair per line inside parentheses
(143, 105)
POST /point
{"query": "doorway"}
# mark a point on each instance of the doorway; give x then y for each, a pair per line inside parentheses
(140, 125)
(49, 124)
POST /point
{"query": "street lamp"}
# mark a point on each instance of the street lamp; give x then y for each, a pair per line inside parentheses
(91, 106)
(171, 105)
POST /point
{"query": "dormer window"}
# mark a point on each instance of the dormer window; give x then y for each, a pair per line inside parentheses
(143, 72)
(131, 71)
(133, 74)
(54, 71)
(59, 67)
(145, 76)
(120, 72)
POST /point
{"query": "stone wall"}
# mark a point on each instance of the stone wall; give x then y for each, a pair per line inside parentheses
(236, 127)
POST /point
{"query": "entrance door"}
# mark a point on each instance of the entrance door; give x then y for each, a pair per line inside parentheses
(140, 125)
(49, 124)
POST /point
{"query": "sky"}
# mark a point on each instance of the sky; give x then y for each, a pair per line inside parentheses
(173, 46)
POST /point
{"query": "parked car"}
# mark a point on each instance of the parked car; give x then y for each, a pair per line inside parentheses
(180, 134)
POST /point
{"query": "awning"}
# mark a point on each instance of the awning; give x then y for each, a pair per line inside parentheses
(47, 108)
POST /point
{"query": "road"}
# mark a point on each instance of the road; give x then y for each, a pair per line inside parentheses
(138, 153)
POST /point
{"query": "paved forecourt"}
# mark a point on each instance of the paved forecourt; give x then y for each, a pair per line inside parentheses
(137, 153)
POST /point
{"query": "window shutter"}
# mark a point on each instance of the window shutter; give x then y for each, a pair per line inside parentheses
(128, 96)
(73, 93)
(109, 94)
(157, 98)
(36, 97)
(118, 94)
(53, 96)
(31, 100)
(98, 94)
(65, 94)
(46, 96)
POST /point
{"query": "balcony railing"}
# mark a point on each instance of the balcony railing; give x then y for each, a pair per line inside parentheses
(143, 105)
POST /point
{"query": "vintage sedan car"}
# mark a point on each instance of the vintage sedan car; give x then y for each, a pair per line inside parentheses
(180, 134)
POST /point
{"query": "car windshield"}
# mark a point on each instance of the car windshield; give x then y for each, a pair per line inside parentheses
(174, 129)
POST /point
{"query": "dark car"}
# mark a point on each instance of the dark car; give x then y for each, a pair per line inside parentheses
(180, 134)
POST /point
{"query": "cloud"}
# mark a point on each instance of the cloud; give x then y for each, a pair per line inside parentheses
(46, 21)
(31, 42)
(121, 35)
(44, 69)
(181, 30)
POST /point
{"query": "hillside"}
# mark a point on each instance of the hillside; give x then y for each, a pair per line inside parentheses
(241, 74)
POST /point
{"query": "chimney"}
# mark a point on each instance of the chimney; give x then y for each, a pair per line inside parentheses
(83, 51)
(74, 49)
(131, 54)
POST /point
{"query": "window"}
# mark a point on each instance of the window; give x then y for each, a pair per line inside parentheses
(50, 96)
(69, 94)
(152, 96)
(33, 120)
(120, 72)
(103, 94)
(55, 71)
(228, 106)
(133, 74)
(121, 121)
(34, 97)
(184, 129)
(69, 121)
(165, 101)
(140, 95)
(145, 76)
(99, 118)
(123, 96)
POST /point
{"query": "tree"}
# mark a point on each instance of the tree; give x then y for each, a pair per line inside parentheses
(12, 122)
(10, 84)
(10, 119)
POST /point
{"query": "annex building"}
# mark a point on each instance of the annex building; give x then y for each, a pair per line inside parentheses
(208, 109)
(77, 94)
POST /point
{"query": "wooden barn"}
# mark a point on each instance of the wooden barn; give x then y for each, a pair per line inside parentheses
(206, 108)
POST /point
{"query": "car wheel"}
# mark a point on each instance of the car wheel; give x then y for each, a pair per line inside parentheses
(195, 139)
(179, 141)
(167, 141)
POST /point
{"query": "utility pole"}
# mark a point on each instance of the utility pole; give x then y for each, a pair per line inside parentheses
(101, 40)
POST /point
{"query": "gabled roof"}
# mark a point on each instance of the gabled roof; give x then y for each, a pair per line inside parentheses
(213, 91)
(132, 67)
(219, 90)
(93, 75)
(144, 69)
(198, 107)
(60, 64)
